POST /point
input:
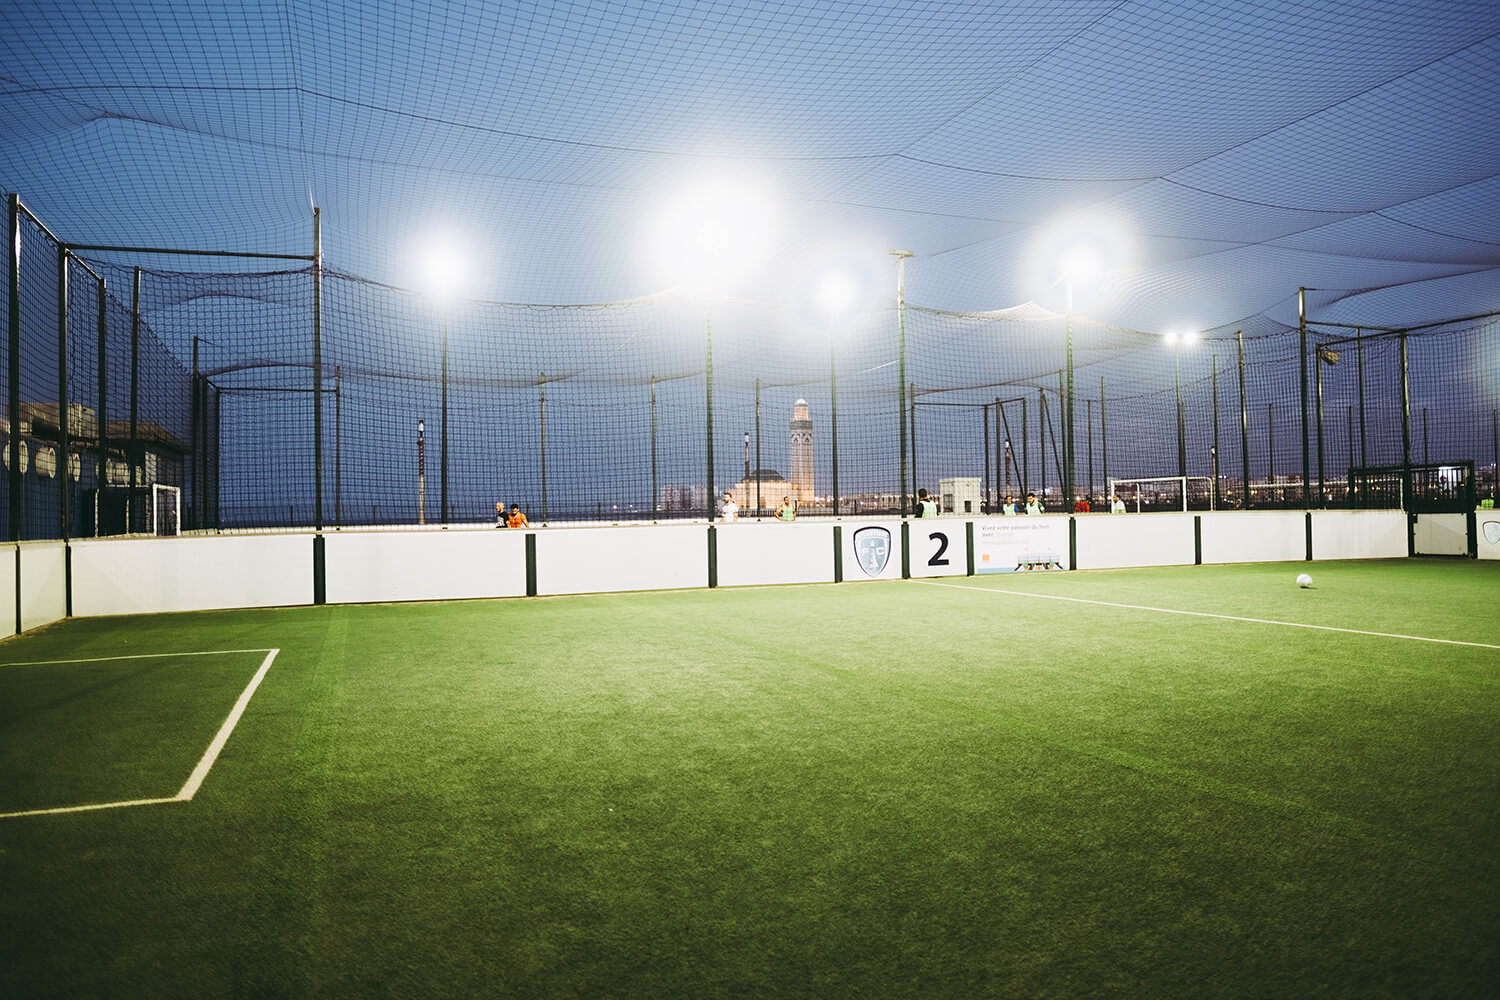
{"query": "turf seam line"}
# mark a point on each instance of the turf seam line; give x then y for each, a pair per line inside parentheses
(1209, 614)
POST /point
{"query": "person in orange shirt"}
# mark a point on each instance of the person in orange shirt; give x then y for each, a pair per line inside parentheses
(1082, 506)
(516, 519)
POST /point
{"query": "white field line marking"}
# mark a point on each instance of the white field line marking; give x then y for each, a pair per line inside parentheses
(134, 656)
(190, 788)
(195, 780)
(1207, 614)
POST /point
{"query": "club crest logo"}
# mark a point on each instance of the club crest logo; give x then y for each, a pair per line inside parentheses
(872, 546)
(1491, 532)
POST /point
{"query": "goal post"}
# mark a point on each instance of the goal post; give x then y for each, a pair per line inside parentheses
(166, 509)
(1159, 493)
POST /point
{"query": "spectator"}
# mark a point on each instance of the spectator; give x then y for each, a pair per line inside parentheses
(516, 519)
(787, 511)
(1082, 506)
(1116, 505)
(730, 512)
(1033, 505)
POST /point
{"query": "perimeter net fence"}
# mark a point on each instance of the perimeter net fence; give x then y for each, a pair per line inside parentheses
(385, 407)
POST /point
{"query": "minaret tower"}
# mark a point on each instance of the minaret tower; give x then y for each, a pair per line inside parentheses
(801, 473)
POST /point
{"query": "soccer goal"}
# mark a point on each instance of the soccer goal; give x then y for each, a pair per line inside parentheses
(1156, 493)
(166, 509)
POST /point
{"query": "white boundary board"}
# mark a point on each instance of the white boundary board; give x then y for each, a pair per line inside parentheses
(1359, 534)
(939, 546)
(425, 565)
(145, 575)
(1254, 536)
(44, 584)
(1111, 541)
(634, 557)
(1489, 534)
(773, 552)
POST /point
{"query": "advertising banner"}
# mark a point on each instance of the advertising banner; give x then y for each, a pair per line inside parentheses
(1020, 544)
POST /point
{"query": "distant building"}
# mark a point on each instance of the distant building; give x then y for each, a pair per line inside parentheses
(961, 496)
(801, 478)
(772, 487)
(684, 499)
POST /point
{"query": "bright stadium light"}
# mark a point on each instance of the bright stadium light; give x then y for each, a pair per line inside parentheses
(711, 231)
(1177, 339)
(443, 268)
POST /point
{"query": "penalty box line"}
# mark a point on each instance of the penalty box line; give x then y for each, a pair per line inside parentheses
(205, 763)
(1209, 614)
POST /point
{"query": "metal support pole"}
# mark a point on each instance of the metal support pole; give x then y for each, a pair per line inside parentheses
(901, 256)
(1239, 336)
(1181, 424)
(421, 472)
(133, 455)
(1215, 453)
(1089, 424)
(1067, 472)
(1002, 471)
(1104, 438)
(13, 370)
(984, 423)
(317, 332)
(655, 494)
(1359, 356)
(1271, 447)
(338, 443)
(708, 385)
(758, 501)
(443, 442)
(63, 442)
(833, 423)
(1405, 406)
(1322, 486)
(913, 425)
(196, 436)
(542, 387)
(1025, 451)
(101, 435)
(1302, 370)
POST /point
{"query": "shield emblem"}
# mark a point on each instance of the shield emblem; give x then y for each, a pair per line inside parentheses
(1491, 532)
(872, 547)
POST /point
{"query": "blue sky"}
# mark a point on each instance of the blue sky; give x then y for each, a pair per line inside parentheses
(1243, 149)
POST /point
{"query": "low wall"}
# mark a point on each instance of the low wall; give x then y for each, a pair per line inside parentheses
(145, 575)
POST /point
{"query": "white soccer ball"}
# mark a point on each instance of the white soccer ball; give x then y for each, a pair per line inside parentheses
(1304, 581)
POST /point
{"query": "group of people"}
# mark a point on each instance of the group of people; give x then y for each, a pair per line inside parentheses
(1034, 506)
(515, 519)
(730, 512)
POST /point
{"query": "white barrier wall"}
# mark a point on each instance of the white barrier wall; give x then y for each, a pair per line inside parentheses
(1359, 534)
(1489, 533)
(772, 552)
(636, 557)
(140, 576)
(1254, 536)
(424, 565)
(1441, 535)
(8, 589)
(939, 546)
(1112, 541)
(44, 583)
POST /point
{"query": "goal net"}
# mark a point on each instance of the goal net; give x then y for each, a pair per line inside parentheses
(1158, 493)
(166, 509)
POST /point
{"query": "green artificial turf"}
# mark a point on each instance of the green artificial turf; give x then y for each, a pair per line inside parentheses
(1016, 785)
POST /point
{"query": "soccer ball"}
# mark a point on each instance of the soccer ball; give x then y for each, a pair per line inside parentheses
(1304, 581)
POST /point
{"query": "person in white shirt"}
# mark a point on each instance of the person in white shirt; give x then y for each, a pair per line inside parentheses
(731, 510)
(1116, 505)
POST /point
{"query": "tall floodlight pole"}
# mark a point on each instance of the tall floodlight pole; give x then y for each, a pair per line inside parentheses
(901, 256)
(708, 384)
(1176, 340)
(833, 420)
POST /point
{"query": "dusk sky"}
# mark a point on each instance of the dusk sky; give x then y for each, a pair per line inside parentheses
(1217, 154)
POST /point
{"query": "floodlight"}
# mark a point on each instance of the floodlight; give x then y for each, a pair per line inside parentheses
(712, 230)
(443, 267)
